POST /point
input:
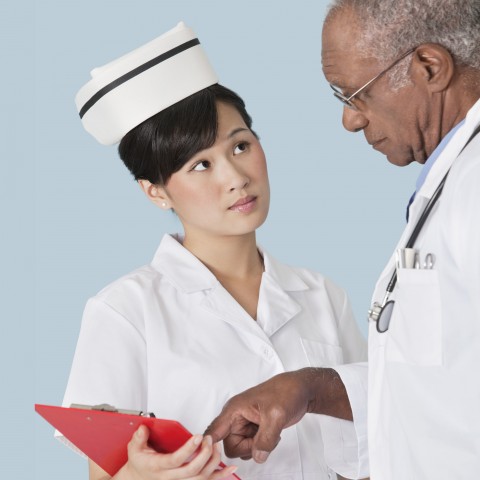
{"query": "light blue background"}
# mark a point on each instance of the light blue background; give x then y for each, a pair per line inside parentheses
(73, 219)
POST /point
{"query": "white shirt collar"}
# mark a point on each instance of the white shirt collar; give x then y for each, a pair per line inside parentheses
(189, 274)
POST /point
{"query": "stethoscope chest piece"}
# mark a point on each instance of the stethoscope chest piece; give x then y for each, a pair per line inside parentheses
(381, 315)
(384, 316)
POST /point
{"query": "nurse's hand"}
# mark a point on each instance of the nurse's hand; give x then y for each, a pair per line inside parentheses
(144, 463)
(251, 423)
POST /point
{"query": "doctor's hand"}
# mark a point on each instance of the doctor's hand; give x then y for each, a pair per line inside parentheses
(251, 423)
(198, 459)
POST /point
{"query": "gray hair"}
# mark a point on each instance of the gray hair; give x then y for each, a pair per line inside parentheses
(392, 27)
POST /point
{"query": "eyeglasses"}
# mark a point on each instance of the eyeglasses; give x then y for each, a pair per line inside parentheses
(347, 101)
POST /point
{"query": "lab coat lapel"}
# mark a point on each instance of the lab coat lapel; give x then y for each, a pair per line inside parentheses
(438, 171)
(416, 210)
(191, 276)
(221, 304)
(276, 305)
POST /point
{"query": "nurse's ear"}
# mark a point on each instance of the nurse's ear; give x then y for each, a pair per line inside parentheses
(156, 194)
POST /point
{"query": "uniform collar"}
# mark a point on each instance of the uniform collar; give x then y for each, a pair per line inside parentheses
(283, 275)
(450, 152)
(187, 273)
(181, 268)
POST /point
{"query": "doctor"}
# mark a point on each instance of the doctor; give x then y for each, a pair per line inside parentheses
(213, 313)
(408, 76)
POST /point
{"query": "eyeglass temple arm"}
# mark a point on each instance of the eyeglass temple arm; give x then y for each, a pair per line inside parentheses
(380, 74)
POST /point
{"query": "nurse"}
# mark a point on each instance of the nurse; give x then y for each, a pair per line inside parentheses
(213, 313)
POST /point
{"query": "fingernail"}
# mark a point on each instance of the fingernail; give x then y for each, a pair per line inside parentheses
(197, 439)
(208, 440)
(260, 456)
(139, 433)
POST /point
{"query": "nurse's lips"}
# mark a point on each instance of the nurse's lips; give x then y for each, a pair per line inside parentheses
(244, 205)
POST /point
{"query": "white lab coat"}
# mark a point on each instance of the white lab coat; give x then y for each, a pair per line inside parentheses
(424, 380)
(169, 339)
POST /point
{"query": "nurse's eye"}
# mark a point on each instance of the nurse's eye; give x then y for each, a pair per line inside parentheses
(201, 166)
(240, 148)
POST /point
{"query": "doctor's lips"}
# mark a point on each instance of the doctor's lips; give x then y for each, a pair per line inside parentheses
(375, 144)
(245, 204)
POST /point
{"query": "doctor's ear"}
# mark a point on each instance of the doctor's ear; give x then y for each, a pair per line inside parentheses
(434, 64)
(155, 194)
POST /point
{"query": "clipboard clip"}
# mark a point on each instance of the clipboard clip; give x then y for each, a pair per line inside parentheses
(105, 407)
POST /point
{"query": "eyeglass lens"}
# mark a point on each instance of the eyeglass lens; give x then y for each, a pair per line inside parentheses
(342, 98)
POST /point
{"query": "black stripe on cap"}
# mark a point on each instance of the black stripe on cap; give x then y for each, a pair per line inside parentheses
(136, 71)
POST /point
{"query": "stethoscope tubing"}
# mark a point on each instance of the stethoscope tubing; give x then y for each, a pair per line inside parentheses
(419, 225)
(416, 231)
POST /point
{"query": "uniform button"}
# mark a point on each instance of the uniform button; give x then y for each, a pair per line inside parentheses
(332, 475)
(267, 352)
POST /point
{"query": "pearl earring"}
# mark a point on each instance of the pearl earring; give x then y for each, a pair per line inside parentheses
(164, 204)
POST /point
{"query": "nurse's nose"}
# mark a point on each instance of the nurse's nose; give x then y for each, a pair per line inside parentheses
(235, 178)
(353, 120)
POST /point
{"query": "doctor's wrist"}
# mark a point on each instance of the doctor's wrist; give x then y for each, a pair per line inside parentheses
(326, 393)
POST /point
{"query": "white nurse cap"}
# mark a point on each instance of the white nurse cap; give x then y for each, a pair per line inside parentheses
(127, 91)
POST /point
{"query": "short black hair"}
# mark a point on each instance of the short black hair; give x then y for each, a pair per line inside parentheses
(162, 144)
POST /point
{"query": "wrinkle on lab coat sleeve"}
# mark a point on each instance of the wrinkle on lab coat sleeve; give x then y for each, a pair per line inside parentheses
(345, 442)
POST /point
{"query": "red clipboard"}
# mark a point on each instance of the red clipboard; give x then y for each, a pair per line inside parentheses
(103, 435)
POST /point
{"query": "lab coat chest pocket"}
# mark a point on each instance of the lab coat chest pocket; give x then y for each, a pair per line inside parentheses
(322, 354)
(415, 333)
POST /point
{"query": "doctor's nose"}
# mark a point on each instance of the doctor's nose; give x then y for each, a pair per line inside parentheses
(353, 120)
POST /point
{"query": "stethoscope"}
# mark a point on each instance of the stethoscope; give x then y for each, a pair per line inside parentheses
(381, 313)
